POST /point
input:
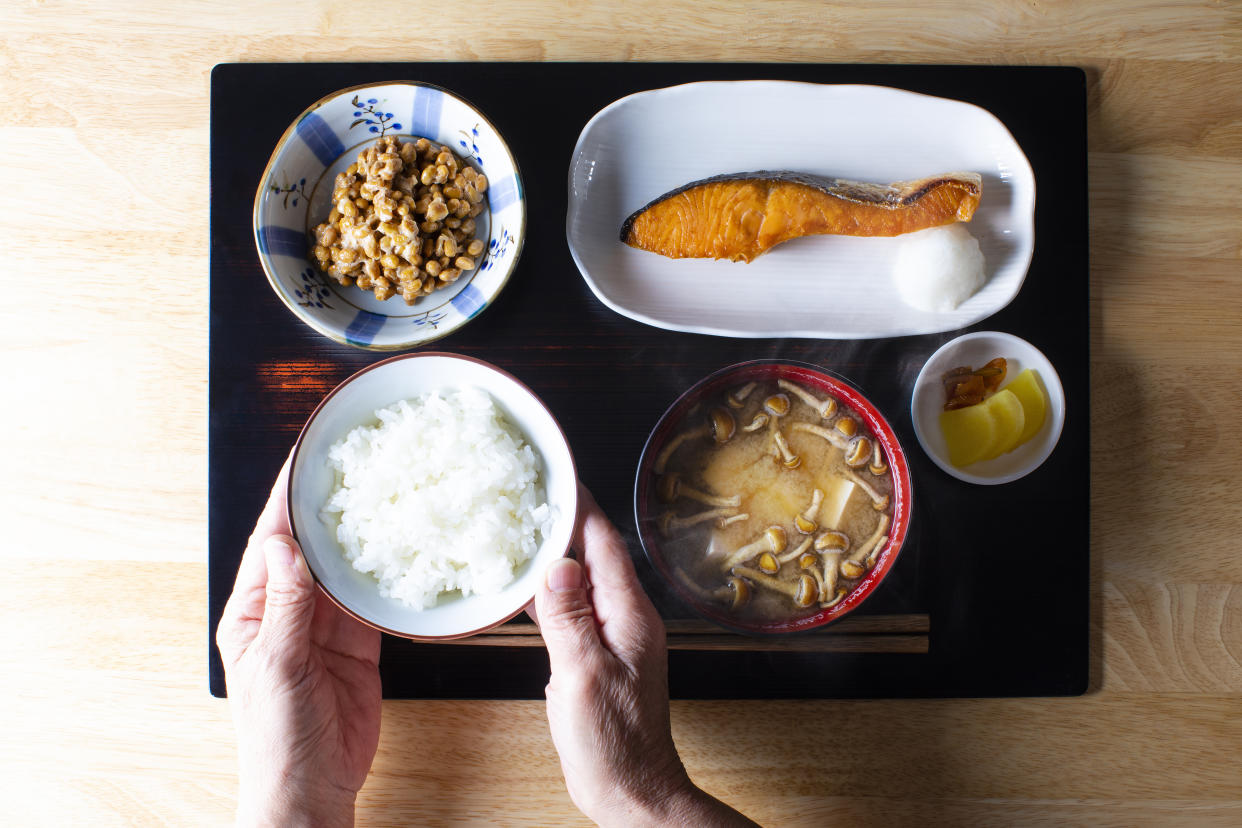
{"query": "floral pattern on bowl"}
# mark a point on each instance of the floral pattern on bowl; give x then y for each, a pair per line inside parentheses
(296, 189)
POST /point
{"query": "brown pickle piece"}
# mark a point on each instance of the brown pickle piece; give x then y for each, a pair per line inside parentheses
(965, 390)
(962, 402)
(965, 387)
(993, 374)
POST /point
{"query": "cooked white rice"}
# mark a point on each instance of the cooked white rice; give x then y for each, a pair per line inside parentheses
(939, 268)
(443, 494)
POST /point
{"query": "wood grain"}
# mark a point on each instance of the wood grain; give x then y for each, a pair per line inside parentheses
(103, 337)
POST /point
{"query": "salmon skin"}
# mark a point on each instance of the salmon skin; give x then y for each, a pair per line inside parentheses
(741, 215)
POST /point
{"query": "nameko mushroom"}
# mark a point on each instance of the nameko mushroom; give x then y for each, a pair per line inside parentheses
(831, 562)
(788, 458)
(795, 553)
(737, 397)
(825, 407)
(828, 434)
(720, 426)
(671, 487)
(830, 594)
(858, 452)
(759, 421)
(773, 540)
(777, 406)
(735, 592)
(804, 591)
(808, 562)
(878, 467)
(670, 522)
(805, 522)
(832, 540)
(879, 501)
(859, 561)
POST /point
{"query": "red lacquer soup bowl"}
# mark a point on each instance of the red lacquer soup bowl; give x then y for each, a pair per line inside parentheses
(661, 511)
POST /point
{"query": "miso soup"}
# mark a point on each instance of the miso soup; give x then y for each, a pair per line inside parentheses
(773, 501)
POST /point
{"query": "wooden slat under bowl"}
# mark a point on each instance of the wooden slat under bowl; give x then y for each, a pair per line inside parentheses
(863, 634)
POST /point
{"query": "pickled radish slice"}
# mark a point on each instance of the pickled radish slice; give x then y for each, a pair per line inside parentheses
(969, 433)
(1029, 389)
(1006, 411)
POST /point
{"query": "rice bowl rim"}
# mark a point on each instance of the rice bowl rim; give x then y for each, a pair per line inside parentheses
(297, 448)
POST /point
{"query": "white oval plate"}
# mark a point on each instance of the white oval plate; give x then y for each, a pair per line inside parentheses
(975, 349)
(833, 287)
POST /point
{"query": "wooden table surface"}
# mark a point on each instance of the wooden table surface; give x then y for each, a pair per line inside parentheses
(105, 717)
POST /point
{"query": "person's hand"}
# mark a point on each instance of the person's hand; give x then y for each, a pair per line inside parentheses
(608, 692)
(303, 683)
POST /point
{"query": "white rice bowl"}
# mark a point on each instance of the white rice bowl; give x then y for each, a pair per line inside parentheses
(939, 268)
(442, 495)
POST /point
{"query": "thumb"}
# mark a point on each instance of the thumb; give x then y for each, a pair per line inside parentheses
(290, 603)
(566, 617)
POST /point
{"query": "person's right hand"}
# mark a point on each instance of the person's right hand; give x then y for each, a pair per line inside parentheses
(303, 682)
(608, 692)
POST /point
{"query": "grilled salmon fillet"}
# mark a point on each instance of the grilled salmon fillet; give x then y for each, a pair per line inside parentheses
(741, 215)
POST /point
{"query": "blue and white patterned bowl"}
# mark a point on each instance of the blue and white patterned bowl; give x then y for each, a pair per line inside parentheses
(295, 193)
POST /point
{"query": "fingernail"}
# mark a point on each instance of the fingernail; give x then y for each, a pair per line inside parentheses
(564, 575)
(278, 552)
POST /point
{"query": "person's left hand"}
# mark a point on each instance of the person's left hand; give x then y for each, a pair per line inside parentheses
(303, 683)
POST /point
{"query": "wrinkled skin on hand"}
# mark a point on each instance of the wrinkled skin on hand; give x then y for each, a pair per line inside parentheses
(607, 696)
(303, 684)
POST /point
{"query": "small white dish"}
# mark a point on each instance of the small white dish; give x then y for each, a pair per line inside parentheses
(296, 189)
(976, 349)
(354, 403)
(835, 287)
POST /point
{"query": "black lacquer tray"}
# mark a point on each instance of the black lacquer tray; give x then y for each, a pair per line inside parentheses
(963, 613)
